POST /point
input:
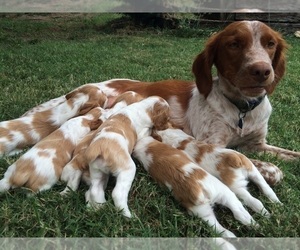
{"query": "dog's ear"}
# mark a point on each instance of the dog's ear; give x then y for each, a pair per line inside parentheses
(71, 94)
(102, 101)
(156, 136)
(202, 66)
(94, 124)
(278, 62)
(87, 107)
(160, 116)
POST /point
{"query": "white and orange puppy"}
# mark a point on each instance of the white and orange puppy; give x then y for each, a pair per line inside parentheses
(232, 168)
(73, 171)
(110, 151)
(41, 166)
(192, 186)
(29, 129)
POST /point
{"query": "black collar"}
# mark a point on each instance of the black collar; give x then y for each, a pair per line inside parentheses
(246, 106)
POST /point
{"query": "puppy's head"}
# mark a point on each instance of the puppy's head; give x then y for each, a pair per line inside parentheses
(92, 119)
(96, 97)
(96, 112)
(160, 113)
(92, 124)
(173, 135)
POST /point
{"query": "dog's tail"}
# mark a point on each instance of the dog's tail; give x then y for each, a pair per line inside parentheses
(93, 151)
(16, 176)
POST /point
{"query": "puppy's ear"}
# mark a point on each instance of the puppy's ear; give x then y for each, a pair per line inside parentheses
(102, 101)
(71, 94)
(156, 136)
(94, 124)
(160, 116)
(87, 107)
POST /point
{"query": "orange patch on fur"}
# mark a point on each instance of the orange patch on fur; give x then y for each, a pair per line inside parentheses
(128, 97)
(5, 133)
(184, 143)
(25, 175)
(203, 149)
(165, 89)
(38, 123)
(165, 168)
(120, 124)
(63, 149)
(21, 127)
(96, 97)
(159, 114)
(109, 150)
(229, 162)
(44, 154)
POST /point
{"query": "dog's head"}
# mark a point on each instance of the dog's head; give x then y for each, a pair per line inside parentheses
(249, 57)
(95, 97)
(159, 113)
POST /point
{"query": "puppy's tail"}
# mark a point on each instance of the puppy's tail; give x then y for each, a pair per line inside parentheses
(15, 176)
(93, 151)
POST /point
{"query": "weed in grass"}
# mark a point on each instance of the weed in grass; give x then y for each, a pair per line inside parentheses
(45, 56)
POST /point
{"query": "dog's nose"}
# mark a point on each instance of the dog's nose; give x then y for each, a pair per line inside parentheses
(260, 71)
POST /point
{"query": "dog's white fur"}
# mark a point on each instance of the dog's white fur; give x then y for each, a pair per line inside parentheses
(29, 129)
(191, 185)
(78, 166)
(41, 166)
(110, 151)
(232, 168)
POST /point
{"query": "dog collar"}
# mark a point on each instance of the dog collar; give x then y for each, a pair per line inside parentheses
(244, 107)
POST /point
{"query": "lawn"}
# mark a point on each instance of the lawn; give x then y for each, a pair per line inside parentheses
(45, 56)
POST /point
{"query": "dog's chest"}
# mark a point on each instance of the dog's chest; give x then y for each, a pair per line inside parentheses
(221, 125)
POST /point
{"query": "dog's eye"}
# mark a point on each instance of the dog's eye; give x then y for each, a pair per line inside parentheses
(271, 44)
(234, 45)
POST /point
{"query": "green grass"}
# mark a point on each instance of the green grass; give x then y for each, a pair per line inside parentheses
(42, 57)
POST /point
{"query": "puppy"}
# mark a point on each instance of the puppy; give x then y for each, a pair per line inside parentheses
(29, 129)
(73, 171)
(110, 151)
(40, 167)
(232, 168)
(191, 185)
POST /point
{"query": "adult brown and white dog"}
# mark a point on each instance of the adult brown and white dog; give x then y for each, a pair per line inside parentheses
(33, 126)
(110, 150)
(233, 109)
(41, 166)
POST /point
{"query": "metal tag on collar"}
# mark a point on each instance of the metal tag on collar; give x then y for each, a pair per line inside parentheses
(241, 120)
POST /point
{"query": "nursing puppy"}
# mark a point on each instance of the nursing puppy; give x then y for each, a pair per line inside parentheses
(78, 167)
(40, 167)
(192, 186)
(232, 168)
(29, 129)
(110, 151)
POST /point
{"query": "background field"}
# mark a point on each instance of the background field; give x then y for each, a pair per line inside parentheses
(45, 56)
